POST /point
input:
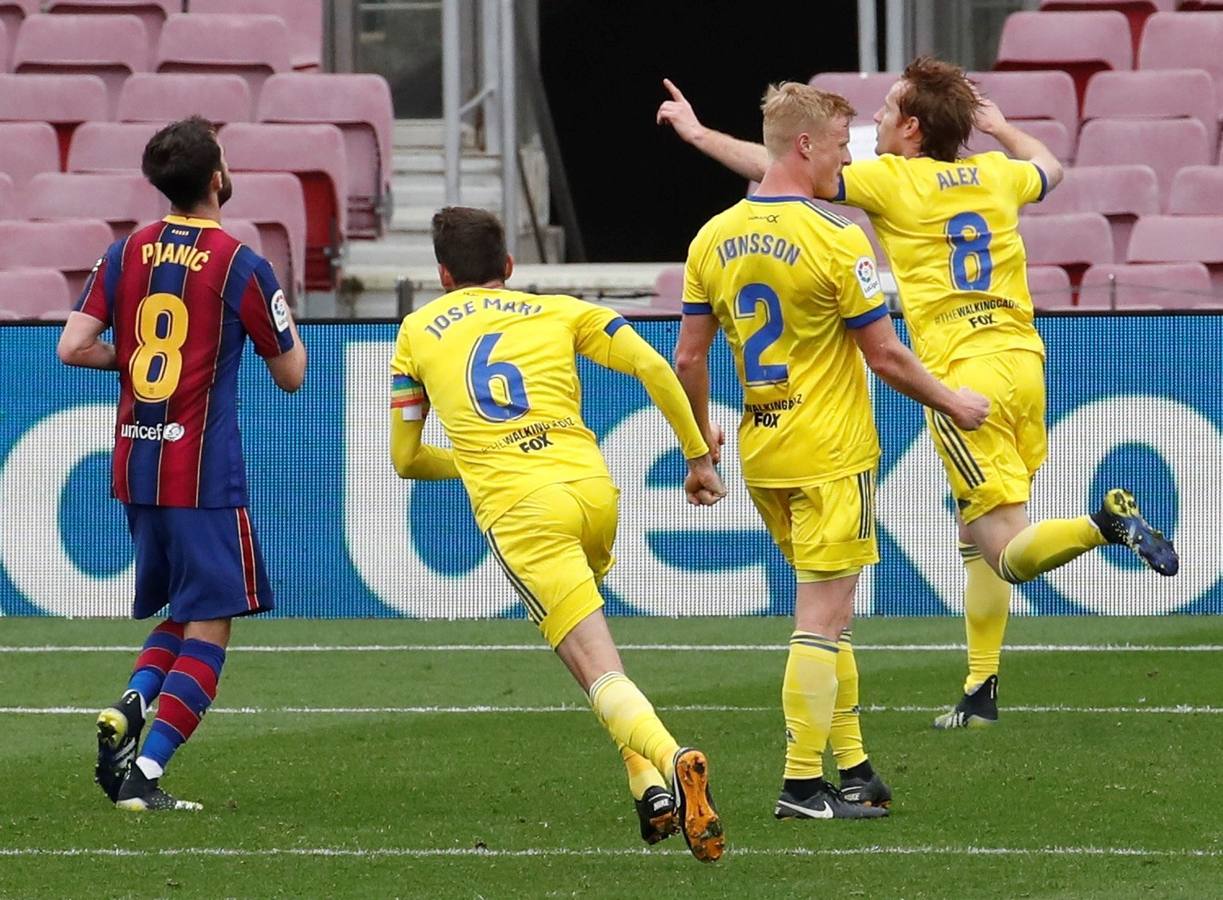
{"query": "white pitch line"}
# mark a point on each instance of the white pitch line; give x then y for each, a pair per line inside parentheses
(1179, 710)
(680, 648)
(576, 852)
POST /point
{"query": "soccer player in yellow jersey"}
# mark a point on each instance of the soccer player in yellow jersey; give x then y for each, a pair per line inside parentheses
(499, 367)
(796, 292)
(950, 228)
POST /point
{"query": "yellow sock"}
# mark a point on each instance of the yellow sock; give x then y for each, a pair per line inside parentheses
(808, 694)
(846, 734)
(630, 719)
(1046, 545)
(987, 604)
(641, 772)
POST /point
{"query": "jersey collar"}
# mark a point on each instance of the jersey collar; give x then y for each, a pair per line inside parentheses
(191, 222)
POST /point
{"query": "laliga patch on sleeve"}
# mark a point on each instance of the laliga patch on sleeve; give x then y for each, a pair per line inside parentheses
(280, 311)
(868, 276)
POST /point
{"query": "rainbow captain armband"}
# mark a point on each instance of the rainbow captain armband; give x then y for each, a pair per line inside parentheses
(408, 394)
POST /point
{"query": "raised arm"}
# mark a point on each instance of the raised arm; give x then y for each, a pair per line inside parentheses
(743, 157)
(1019, 144)
(79, 344)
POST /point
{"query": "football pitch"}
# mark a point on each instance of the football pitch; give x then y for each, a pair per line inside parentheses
(457, 759)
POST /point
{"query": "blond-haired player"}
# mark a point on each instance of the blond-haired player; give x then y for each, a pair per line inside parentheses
(950, 228)
(499, 367)
(795, 290)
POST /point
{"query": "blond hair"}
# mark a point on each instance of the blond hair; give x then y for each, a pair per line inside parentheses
(791, 108)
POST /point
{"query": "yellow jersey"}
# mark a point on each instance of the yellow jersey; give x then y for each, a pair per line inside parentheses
(951, 233)
(499, 368)
(787, 281)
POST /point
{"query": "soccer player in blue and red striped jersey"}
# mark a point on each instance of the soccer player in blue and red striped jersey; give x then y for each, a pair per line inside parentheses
(181, 296)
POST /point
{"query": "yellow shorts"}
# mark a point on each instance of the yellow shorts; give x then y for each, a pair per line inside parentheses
(555, 545)
(995, 464)
(823, 528)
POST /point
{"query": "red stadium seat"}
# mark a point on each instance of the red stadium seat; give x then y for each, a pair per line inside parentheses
(1024, 96)
(1120, 193)
(315, 154)
(1197, 191)
(8, 199)
(111, 47)
(63, 100)
(244, 231)
(1073, 241)
(1165, 145)
(73, 246)
(166, 98)
(26, 149)
(1170, 285)
(1050, 133)
(273, 202)
(304, 19)
(360, 106)
(254, 47)
(33, 293)
(110, 146)
(1136, 12)
(124, 200)
(668, 290)
(12, 14)
(1079, 43)
(1180, 239)
(1185, 41)
(865, 92)
(152, 13)
(1050, 287)
(1201, 6)
(1154, 94)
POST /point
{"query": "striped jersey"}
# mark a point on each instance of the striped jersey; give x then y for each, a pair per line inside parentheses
(182, 296)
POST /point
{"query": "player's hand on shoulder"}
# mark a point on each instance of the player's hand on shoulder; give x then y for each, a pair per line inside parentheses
(678, 113)
(971, 411)
(703, 485)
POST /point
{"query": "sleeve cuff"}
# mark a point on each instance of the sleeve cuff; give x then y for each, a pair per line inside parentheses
(614, 325)
(867, 317)
(697, 309)
(1044, 183)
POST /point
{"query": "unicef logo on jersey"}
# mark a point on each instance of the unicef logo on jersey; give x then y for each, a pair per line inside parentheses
(171, 432)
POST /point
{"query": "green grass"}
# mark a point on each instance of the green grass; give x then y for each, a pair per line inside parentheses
(551, 781)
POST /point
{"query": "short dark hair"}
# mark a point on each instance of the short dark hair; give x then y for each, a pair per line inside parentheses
(470, 243)
(940, 96)
(179, 160)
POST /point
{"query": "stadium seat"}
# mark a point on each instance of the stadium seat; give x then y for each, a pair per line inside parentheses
(1185, 41)
(1079, 43)
(8, 199)
(1165, 145)
(1050, 133)
(273, 202)
(1073, 241)
(254, 47)
(32, 293)
(1050, 287)
(1120, 193)
(304, 19)
(26, 149)
(1201, 6)
(1170, 285)
(166, 98)
(111, 47)
(315, 154)
(668, 290)
(63, 100)
(12, 14)
(1136, 12)
(152, 13)
(1197, 191)
(1155, 94)
(72, 246)
(865, 92)
(244, 231)
(360, 106)
(1160, 239)
(1024, 96)
(123, 200)
(110, 146)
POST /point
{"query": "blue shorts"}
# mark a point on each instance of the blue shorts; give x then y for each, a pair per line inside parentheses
(205, 563)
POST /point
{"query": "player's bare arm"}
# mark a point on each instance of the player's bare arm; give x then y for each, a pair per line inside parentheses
(895, 364)
(1017, 143)
(79, 344)
(743, 157)
(696, 334)
(412, 457)
(288, 369)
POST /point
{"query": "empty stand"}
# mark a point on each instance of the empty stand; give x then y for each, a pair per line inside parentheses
(110, 146)
(8, 199)
(304, 19)
(244, 231)
(62, 100)
(669, 289)
(1079, 43)
(1180, 239)
(315, 154)
(1185, 41)
(111, 47)
(1136, 12)
(865, 92)
(123, 200)
(33, 293)
(1154, 94)
(152, 13)
(1197, 191)
(166, 98)
(1050, 133)
(26, 149)
(1120, 193)
(1165, 145)
(273, 202)
(1050, 287)
(71, 246)
(254, 47)
(1025, 96)
(12, 14)
(1073, 241)
(360, 106)
(1171, 285)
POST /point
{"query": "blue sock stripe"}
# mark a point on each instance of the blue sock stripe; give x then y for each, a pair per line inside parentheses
(188, 690)
(163, 640)
(161, 743)
(147, 683)
(210, 654)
